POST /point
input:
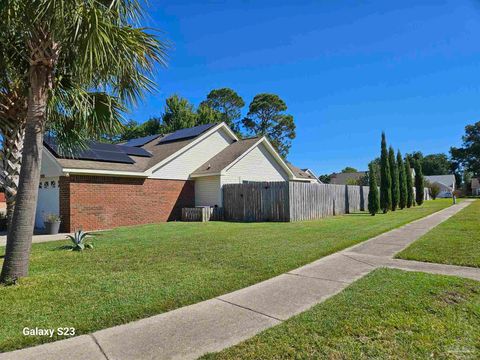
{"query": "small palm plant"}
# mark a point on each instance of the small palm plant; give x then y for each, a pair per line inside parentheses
(78, 240)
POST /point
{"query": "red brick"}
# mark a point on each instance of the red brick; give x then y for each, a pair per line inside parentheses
(101, 202)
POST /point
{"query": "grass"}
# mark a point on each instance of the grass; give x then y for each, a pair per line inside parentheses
(140, 271)
(456, 241)
(389, 314)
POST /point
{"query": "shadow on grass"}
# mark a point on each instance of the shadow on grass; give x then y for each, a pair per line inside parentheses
(360, 214)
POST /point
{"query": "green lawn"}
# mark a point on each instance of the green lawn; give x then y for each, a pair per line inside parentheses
(389, 314)
(456, 241)
(140, 271)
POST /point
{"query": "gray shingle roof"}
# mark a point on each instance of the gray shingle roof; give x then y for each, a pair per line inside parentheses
(344, 178)
(159, 152)
(299, 173)
(220, 161)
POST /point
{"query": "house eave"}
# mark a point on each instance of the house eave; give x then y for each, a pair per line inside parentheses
(205, 175)
(72, 171)
(302, 179)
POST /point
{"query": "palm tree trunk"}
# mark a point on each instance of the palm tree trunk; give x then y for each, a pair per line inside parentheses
(13, 132)
(20, 236)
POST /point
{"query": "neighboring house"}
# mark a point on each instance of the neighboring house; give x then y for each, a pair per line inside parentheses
(310, 172)
(445, 182)
(151, 179)
(347, 178)
(303, 174)
(475, 186)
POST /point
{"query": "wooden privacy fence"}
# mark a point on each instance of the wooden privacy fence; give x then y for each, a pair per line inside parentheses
(313, 201)
(265, 201)
(292, 201)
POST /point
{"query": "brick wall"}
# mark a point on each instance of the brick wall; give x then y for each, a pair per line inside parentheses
(99, 202)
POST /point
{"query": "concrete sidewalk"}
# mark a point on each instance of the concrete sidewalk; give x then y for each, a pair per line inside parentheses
(213, 325)
(38, 238)
(41, 238)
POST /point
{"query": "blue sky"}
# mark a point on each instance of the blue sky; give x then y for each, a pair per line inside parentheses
(346, 69)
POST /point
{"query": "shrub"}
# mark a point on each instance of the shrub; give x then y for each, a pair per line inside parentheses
(385, 178)
(394, 176)
(78, 240)
(402, 181)
(434, 190)
(409, 182)
(419, 183)
(373, 200)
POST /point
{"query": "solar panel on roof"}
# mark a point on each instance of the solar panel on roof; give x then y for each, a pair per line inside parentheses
(96, 152)
(135, 151)
(129, 150)
(186, 133)
(113, 156)
(141, 141)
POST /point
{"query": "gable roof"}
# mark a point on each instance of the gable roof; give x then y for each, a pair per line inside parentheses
(301, 173)
(139, 166)
(149, 153)
(447, 180)
(159, 152)
(344, 178)
(310, 172)
(235, 152)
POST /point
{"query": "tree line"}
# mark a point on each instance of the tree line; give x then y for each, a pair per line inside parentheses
(463, 162)
(396, 181)
(466, 159)
(266, 117)
(432, 164)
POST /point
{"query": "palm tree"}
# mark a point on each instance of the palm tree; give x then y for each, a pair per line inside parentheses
(96, 42)
(13, 113)
(11, 160)
(71, 131)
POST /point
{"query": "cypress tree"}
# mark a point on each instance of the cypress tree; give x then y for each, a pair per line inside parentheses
(373, 200)
(385, 178)
(394, 175)
(419, 183)
(409, 182)
(402, 181)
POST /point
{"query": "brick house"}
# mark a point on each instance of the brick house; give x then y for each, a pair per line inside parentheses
(151, 179)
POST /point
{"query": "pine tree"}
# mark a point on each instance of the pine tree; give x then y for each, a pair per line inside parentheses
(419, 183)
(394, 175)
(373, 200)
(385, 178)
(402, 181)
(409, 182)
